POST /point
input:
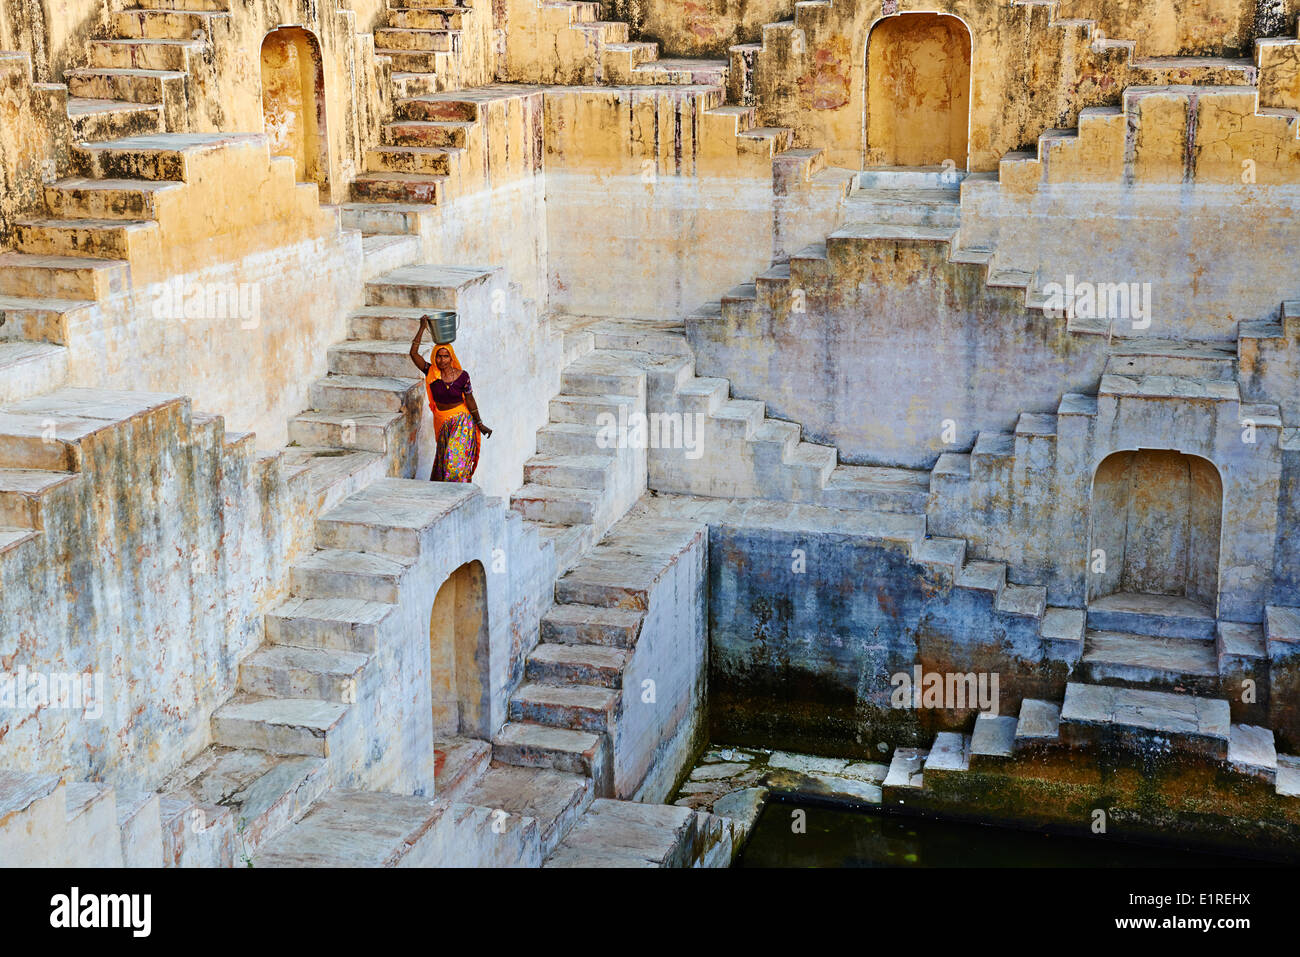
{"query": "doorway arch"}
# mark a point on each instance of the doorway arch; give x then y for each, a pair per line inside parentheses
(458, 654)
(1157, 516)
(293, 103)
(918, 91)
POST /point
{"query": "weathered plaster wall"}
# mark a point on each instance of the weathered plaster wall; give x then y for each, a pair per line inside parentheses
(53, 32)
(896, 341)
(661, 723)
(698, 28)
(254, 366)
(652, 181)
(808, 626)
(1186, 241)
(152, 572)
(35, 142)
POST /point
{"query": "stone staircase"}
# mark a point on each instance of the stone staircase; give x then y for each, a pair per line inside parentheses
(1100, 720)
(567, 714)
(585, 50)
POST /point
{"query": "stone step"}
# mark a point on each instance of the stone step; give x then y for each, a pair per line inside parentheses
(876, 489)
(577, 624)
(424, 160)
(61, 277)
(166, 157)
(427, 188)
(578, 707)
(682, 71)
(569, 471)
(1147, 661)
(446, 134)
(560, 664)
(127, 199)
(634, 834)
(393, 323)
(557, 505)
(1029, 601)
(347, 393)
(588, 410)
(141, 54)
(602, 374)
(409, 38)
(278, 725)
(286, 671)
(993, 739)
(429, 18)
(24, 493)
(365, 431)
(540, 746)
(910, 178)
(91, 828)
(424, 286)
(34, 320)
(333, 474)
(569, 542)
(339, 624)
(904, 207)
(1098, 716)
(29, 368)
(383, 358)
(165, 24)
(1172, 357)
(132, 84)
(1166, 616)
(1038, 725)
(344, 574)
(435, 62)
(1174, 387)
(265, 792)
(384, 252)
(93, 120)
(94, 238)
(1251, 750)
(13, 538)
(555, 799)
(905, 769)
(950, 753)
(377, 829)
(440, 107)
(563, 438)
(196, 835)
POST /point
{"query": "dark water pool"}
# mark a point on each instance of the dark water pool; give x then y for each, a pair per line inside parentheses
(838, 837)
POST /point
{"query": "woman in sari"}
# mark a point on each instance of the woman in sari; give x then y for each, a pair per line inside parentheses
(456, 422)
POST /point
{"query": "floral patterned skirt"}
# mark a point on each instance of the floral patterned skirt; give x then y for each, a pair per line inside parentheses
(458, 448)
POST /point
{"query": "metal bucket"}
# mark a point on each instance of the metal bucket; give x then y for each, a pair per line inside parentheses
(443, 324)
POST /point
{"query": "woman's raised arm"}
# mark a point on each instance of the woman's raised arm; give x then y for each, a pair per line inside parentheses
(418, 359)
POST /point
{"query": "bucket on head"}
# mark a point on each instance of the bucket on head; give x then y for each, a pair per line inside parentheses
(443, 324)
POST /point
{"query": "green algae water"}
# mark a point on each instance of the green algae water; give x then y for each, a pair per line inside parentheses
(840, 837)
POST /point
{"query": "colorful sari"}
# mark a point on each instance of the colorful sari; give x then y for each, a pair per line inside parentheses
(458, 437)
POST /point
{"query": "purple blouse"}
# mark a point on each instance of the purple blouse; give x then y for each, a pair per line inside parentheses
(445, 394)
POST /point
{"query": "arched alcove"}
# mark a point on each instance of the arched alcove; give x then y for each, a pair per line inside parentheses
(918, 91)
(1157, 517)
(293, 103)
(458, 654)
